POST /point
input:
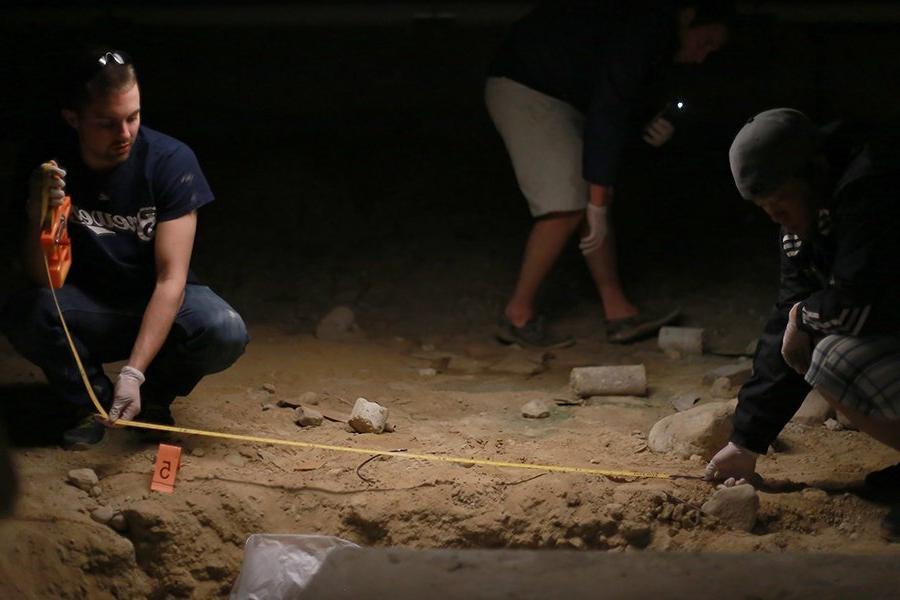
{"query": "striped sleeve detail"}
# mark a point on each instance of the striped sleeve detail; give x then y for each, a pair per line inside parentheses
(850, 321)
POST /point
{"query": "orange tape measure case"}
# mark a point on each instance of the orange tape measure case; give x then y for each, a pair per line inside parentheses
(55, 242)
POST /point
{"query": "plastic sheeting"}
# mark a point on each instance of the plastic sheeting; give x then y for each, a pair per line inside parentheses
(280, 566)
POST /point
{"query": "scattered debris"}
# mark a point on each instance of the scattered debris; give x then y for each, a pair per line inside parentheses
(268, 387)
(536, 409)
(735, 506)
(569, 401)
(199, 452)
(307, 417)
(681, 340)
(683, 402)
(701, 430)
(304, 398)
(118, 522)
(235, 460)
(368, 417)
(736, 373)
(814, 411)
(268, 406)
(96, 491)
(625, 380)
(833, 425)
(339, 325)
(83, 479)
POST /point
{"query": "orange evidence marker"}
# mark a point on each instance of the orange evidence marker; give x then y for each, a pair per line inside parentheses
(168, 459)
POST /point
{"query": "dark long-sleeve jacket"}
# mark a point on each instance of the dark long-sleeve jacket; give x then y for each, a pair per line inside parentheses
(846, 277)
(597, 56)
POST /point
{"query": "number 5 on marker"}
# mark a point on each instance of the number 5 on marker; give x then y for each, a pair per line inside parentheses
(168, 459)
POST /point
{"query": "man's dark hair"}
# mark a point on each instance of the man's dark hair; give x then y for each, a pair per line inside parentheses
(712, 11)
(95, 72)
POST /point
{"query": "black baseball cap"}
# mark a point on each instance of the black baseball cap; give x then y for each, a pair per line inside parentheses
(770, 148)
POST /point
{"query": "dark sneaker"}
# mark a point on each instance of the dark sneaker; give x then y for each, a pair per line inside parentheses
(87, 433)
(533, 334)
(632, 329)
(885, 481)
(890, 525)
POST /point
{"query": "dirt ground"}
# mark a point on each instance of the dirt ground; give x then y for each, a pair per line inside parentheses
(404, 208)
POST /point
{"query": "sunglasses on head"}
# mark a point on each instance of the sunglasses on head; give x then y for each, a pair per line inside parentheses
(113, 57)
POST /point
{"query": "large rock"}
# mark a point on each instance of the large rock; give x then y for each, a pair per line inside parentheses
(701, 430)
(368, 417)
(339, 325)
(736, 506)
(83, 479)
(814, 411)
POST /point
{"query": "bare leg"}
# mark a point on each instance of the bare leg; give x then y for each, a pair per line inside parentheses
(885, 431)
(605, 271)
(545, 243)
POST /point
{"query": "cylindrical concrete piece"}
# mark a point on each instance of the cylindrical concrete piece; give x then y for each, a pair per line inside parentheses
(686, 340)
(625, 380)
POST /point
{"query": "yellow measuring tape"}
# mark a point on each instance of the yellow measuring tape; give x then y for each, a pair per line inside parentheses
(335, 448)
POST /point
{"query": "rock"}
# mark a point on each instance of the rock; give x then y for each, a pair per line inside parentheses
(339, 325)
(96, 491)
(307, 417)
(268, 406)
(626, 380)
(701, 430)
(83, 479)
(519, 362)
(235, 460)
(304, 398)
(721, 389)
(681, 340)
(198, 452)
(268, 387)
(736, 374)
(103, 515)
(118, 522)
(833, 425)
(368, 417)
(429, 372)
(536, 409)
(736, 506)
(814, 411)
(683, 402)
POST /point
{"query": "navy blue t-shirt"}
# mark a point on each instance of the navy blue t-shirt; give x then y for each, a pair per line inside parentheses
(115, 213)
(598, 56)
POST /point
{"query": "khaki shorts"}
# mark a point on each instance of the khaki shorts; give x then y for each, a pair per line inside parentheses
(543, 136)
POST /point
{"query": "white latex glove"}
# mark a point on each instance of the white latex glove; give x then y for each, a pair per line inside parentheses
(732, 463)
(796, 347)
(127, 397)
(49, 176)
(597, 229)
(658, 131)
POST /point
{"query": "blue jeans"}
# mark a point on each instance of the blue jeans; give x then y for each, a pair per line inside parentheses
(206, 337)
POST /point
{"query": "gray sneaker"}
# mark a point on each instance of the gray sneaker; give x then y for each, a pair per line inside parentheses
(532, 335)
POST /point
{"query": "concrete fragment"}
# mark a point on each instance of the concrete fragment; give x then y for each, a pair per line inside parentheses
(368, 417)
(701, 430)
(536, 409)
(736, 373)
(83, 479)
(625, 380)
(814, 411)
(683, 340)
(307, 417)
(103, 515)
(736, 506)
(339, 325)
(683, 402)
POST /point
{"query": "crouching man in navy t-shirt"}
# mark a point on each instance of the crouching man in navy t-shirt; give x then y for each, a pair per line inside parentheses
(130, 294)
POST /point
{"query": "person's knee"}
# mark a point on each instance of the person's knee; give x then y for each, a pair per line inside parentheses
(571, 219)
(223, 340)
(825, 357)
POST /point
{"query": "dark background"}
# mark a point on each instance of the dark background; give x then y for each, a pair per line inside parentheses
(353, 161)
